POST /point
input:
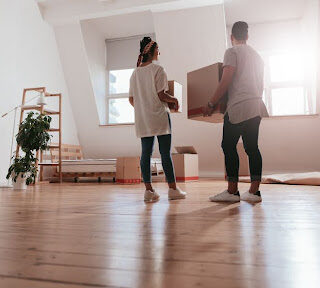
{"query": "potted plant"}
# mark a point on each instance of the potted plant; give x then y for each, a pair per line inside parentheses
(23, 171)
(32, 136)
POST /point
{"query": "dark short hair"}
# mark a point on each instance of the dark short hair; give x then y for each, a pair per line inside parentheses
(240, 30)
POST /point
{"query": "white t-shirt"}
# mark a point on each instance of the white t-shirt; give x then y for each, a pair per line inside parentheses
(151, 114)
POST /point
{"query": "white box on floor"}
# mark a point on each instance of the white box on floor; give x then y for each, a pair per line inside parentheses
(128, 170)
(186, 163)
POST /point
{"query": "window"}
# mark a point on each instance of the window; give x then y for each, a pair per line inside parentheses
(120, 110)
(288, 101)
(119, 81)
(286, 90)
(122, 54)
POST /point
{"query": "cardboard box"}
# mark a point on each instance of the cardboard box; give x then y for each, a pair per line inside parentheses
(175, 90)
(128, 170)
(186, 164)
(202, 84)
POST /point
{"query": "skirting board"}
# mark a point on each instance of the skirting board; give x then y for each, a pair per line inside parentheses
(5, 185)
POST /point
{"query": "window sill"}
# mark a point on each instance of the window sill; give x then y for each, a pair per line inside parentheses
(293, 116)
(117, 125)
(267, 118)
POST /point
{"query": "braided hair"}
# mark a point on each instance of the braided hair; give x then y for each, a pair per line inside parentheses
(144, 57)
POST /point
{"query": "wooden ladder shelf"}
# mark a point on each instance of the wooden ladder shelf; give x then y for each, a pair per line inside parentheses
(43, 110)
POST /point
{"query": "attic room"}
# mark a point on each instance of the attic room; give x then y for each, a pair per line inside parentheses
(228, 193)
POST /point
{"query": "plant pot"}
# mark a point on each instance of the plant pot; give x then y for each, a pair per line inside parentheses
(20, 183)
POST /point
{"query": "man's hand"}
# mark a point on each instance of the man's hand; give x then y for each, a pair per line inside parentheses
(207, 111)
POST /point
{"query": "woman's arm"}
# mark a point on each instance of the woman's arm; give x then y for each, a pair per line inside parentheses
(131, 101)
(164, 97)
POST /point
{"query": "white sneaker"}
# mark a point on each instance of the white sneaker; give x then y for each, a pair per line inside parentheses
(225, 196)
(176, 194)
(151, 196)
(249, 197)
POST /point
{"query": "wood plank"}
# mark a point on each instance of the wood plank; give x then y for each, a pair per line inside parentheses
(104, 235)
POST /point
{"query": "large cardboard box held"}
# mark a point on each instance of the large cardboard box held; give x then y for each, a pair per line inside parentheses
(175, 90)
(186, 163)
(128, 170)
(202, 84)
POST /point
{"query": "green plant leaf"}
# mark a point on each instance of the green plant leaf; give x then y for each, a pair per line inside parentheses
(32, 136)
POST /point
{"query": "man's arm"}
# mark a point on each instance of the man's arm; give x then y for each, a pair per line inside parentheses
(222, 88)
(131, 101)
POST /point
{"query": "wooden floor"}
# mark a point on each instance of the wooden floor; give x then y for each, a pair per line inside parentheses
(104, 235)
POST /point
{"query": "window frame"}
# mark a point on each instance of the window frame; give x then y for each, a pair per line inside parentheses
(115, 96)
(269, 86)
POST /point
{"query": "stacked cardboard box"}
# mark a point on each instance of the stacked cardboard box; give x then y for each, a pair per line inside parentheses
(202, 84)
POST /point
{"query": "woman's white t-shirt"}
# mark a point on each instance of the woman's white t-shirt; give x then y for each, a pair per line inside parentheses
(151, 114)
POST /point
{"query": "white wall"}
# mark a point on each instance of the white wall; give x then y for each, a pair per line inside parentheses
(29, 58)
(318, 58)
(96, 56)
(273, 36)
(310, 31)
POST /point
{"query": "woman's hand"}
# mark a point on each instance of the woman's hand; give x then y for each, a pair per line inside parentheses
(131, 101)
(176, 104)
(164, 97)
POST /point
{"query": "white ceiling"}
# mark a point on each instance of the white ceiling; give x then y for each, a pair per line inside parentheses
(119, 26)
(260, 11)
(61, 11)
(252, 11)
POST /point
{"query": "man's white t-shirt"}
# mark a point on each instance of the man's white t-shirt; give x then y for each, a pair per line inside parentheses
(151, 114)
(246, 89)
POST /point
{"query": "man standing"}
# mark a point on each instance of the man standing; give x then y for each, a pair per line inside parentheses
(243, 72)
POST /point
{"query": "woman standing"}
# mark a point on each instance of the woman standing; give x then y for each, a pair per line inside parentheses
(148, 86)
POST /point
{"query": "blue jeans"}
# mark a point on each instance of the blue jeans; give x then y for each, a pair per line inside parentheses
(165, 152)
(164, 148)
